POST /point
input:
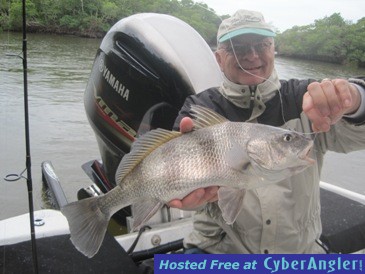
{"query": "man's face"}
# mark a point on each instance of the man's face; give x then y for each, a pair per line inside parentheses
(247, 59)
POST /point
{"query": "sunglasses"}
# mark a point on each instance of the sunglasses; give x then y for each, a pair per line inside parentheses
(243, 49)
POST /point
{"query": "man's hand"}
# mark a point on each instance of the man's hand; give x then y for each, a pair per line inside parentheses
(199, 196)
(196, 199)
(325, 103)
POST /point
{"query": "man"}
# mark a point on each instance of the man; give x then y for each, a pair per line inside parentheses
(283, 217)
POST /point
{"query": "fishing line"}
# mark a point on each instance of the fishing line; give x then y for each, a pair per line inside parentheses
(261, 78)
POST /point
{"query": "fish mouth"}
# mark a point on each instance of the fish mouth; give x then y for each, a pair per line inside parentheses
(305, 155)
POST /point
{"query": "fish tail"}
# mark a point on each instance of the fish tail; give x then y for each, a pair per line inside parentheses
(88, 224)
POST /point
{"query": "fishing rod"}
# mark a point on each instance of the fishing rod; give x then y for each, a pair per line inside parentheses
(27, 142)
(14, 177)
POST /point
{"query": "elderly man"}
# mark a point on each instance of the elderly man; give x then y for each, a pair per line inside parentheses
(284, 217)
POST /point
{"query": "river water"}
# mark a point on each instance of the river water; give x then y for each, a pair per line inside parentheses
(59, 67)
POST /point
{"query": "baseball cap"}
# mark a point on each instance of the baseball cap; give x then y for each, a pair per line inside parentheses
(244, 22)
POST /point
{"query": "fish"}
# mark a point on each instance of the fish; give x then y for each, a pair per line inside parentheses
(164, 165)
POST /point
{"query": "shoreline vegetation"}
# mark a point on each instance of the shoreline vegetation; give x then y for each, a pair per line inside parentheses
(330, 39)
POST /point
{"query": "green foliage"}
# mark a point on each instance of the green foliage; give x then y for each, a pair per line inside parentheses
(11, 14)
(95, 17)
(69, 22)
(329, 39)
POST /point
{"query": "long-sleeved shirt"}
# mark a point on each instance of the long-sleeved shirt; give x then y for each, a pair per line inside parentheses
(282, 217)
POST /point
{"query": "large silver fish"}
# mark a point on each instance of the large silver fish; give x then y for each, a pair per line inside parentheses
(164, 165)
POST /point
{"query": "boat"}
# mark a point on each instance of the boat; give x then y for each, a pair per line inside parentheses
(343, 221)
(142, 72)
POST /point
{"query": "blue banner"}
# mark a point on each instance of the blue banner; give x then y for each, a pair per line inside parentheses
(235, 263)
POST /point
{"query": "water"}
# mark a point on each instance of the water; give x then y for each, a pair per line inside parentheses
(59, 68)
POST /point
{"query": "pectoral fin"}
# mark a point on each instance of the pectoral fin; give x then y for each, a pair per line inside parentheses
(237, 158)
(230, 202)
(143, 211)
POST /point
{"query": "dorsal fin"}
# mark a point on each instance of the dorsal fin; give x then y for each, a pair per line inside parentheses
(205, 117)
(142, 147)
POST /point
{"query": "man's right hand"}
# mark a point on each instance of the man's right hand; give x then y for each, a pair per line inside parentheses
(200, 196)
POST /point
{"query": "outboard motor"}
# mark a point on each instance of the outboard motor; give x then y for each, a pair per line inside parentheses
(146, 66)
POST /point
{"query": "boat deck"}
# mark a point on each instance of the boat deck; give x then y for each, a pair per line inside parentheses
(57, 255)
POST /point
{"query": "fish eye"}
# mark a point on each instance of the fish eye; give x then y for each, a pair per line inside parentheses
(288, 137)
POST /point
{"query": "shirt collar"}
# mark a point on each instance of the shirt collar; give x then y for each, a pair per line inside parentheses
(242, 95)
